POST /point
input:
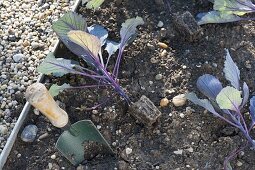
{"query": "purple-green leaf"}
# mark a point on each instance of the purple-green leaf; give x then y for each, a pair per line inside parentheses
(85, 40)
(111, 47)
(209, 85)
(68, 22)
(55, 89)
(128, 29)
(127, 34)
(216, 17)
(252, 109)
(237, 7)
(100, 32)
(245, 94)
(229, 98)
(232, 73)
(201, 102)
(56, 66)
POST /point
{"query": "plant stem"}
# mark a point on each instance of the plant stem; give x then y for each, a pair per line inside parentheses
(241, 116)
(117, 65)
(228, 121)
(234, 153)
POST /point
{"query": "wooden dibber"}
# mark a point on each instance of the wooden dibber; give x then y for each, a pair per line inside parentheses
(38, 96)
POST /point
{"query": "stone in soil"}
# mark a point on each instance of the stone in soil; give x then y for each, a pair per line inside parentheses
(145, 111)
(187, 26)
(3, 129)
(17, 57)
(179, 100)
(29, 133)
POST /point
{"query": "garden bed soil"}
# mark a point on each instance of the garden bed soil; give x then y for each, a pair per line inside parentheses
(185, 137)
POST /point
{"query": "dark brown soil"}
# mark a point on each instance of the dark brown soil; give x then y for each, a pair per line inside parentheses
(204, 140)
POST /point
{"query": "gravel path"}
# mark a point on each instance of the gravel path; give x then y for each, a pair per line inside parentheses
(26, 37)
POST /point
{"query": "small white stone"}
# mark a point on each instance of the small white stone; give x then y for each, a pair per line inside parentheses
(184, 67)
(160, 24)
(53, 156)
(17, 57)
(36, 112)
(3, 129)
(18, 155)
(178, 152)
(238, 163)
(50, 165)
(128, 151)
(34, 45)
(163, 53)
(114, 143)
(182, 115)
(179, 100)
(215, 65)
(158, 76)
(99, 127)
(190, 149)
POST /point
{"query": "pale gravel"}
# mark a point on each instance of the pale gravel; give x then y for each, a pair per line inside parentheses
(26, 38)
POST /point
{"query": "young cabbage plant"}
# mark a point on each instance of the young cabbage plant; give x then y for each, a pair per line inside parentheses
(226, 11)
(88, 44)
(227, 102)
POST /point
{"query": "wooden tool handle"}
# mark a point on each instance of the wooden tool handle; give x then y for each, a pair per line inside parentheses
(38, 96)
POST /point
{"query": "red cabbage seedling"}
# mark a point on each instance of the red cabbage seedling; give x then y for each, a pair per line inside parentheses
(227, 103)
(88, 44)
(226, 11)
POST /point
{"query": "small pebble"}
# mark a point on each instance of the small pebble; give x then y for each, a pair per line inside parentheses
(163, 32)
(163, 45)
(29, 133)
(45, 135)
(163, 53)
(215, 65)
(190, 149)
(150, 46)
(128, 151)
(18, 155)
(238, 163)
(3, 129)
(178, 152)
(17, 57)
(179, 100)
(248, 64)
(36, 112)
(160, 24)
(80, 167)
(99, 127)
(164, 102)
(182, 115)
(158, 76)
(53, 156)
(50, 165)
(153, 60)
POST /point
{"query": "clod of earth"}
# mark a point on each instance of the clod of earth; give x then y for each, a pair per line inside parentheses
(145, 111)
(187, 26)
